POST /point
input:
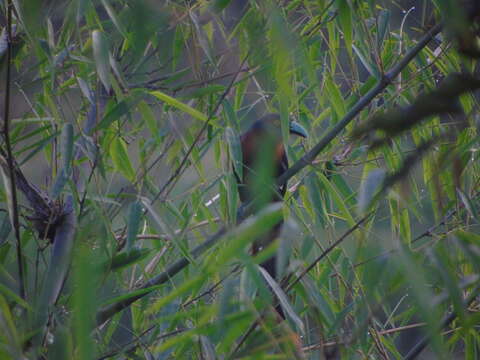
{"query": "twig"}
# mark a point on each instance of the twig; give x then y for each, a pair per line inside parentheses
(8, 146)
(208, 81)
(135, 343)
(246, 335)
(211, 289)
(328, 250)
(384, 332)
(321, 22)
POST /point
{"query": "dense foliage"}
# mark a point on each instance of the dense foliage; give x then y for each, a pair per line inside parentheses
(120, 229)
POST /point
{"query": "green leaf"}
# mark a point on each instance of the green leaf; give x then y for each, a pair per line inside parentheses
(345, 19)
(234, 146)
(149, 117)
(469, 237)
(232, 197)
(249, 230)
(59, 184)
(369, 188)
(120, 158)
(219, 5)
(318, 300)
(5, 229)
(84, 301)
(204, 91)
(186, 286)
(14, 297)
(335, 97)
(371, 67)
(248, 287)
(314, 203)
(134, 218)
(101, 56)
(126, 259)
(67, 146)
(469, 205)
(117, 111)
(10, 337)
(179, 105)
(282, 298)
(382, 27)
(337, 198)
(38, 146)
(116, 21)
(130, 295)
(166, 227)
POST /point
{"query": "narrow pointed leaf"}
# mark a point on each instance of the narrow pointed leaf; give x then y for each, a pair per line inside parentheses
(101, 57)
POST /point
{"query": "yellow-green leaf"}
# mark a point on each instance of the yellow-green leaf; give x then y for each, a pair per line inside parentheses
(179, 105)
(121, 161)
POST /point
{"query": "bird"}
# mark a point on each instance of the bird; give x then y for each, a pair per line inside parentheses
(264, 159)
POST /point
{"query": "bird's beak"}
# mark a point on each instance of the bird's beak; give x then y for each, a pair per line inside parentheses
(297, 129)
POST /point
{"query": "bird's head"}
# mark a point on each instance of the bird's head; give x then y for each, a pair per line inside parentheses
(271, 123)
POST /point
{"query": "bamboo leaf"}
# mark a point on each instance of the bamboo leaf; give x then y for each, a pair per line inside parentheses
(127, 259)
(67, 146)
(284, 302)
(249, 230)
(116, 21)
(235, 149)
(101, 56)
(120, 158)
(345, 19)
(364, 59)
(134, 219)
(382, 27)
(469, 205)
(179, 105)
(369, 188)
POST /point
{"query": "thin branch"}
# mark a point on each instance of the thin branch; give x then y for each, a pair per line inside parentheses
(211, 289)
(166, 237)
(213, 79)
(132, 345)
(8, 146)
(384, 332)
(328, 250)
